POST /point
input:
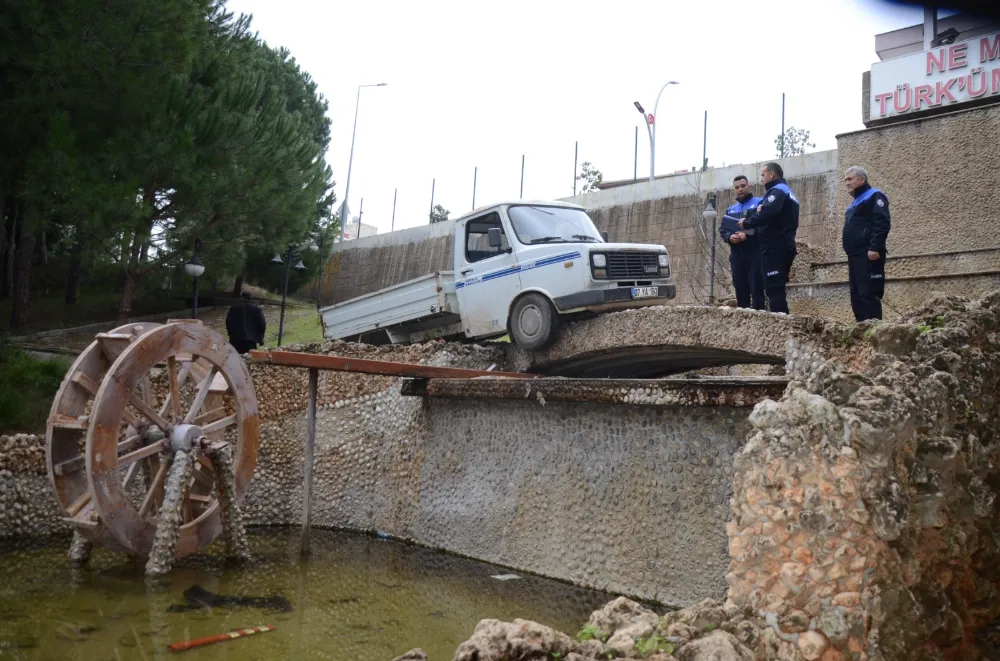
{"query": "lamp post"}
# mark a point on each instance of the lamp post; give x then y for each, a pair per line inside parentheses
(194, 268)
(651, 126)
(350, 162)
(710, 214)
(317, 246)
(289, 254)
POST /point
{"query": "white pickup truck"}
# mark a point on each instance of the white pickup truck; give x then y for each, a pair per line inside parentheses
(519, 268)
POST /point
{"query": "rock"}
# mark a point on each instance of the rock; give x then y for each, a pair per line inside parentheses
(494, 640)
(716, 646)
(894, 339)
(626, 616)
(812, 644)
(415, 654)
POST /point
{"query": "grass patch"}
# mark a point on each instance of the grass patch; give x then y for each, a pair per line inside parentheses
(30, 383)
(301, 327)
(590, 632)
(653, 645)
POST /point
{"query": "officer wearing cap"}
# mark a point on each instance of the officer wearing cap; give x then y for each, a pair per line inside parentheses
(866, 227)
(744, 248)
(776, 221)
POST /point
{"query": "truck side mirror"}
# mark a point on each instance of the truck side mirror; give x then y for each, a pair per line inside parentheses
(604, 235)
(495, 236)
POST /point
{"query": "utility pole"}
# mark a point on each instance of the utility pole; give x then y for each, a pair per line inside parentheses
(704, 145)
(576, 153)
(635, 162)
(431, 214)
(522, 176)
(475, 176)
(393, 226)
(782, 151)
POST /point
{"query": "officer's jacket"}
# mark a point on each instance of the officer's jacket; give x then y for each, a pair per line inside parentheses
(866, 223)
(741, 210)
(777, 219)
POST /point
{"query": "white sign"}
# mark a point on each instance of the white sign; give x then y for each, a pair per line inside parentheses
(943, 76)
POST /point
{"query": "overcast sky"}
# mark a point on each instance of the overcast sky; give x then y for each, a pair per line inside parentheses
(471, 84)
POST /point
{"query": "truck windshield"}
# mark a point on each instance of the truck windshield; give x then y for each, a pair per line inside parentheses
(537, 224)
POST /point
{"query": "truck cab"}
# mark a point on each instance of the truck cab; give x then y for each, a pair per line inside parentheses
(523, 267)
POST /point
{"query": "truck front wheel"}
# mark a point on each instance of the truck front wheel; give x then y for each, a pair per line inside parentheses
(534, 322)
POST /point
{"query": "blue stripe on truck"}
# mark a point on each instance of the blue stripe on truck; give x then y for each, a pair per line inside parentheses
(518, 268)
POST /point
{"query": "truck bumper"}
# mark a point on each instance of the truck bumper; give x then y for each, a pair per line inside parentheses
(599, 300)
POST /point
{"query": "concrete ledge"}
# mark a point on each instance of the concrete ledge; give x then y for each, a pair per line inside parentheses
(732, 392)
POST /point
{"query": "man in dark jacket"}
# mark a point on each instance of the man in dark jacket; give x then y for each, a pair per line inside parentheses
(866, 226)
(744, 248)
(245, 324)
(776, 221)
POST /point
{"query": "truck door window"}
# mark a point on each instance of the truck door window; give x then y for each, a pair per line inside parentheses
(477, 240)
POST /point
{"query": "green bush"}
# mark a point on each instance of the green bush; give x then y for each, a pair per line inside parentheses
(28, 386)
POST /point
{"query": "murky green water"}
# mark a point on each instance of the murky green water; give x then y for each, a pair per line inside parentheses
(355, 598)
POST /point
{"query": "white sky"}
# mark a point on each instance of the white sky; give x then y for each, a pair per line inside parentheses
(471, 84)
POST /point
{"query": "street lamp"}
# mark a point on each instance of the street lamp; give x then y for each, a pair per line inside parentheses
(651, 126)
(710, 214)
(289, 254)
(319, 278)
(194, 268)
(350, 163)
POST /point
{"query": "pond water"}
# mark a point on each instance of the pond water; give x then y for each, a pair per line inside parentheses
(356, 598)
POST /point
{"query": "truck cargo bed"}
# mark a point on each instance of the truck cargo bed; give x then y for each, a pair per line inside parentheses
(408, 311)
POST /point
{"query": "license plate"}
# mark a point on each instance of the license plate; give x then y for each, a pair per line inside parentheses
(645, 292)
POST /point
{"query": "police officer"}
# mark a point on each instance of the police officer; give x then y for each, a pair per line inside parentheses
(866, 226)
(776, 221)
(744, 249)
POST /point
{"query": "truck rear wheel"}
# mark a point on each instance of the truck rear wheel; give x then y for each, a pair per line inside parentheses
(533, 322)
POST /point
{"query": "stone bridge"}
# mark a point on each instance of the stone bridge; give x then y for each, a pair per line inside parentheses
(660, 341)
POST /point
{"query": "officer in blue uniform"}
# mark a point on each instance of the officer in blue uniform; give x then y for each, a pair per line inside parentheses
(866, 227)
(744, 249)
(776, 221)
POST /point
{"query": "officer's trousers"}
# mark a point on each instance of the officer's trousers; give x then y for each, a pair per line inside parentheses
(748, 281)
(867, 285)
(775, 263)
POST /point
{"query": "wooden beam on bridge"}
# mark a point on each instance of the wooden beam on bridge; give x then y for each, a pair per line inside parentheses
(380, 367)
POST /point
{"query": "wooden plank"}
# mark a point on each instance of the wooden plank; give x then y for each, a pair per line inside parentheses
(91, 386)
(68, 422)
(199, 397)
(175, 390)
(81, 523)
(77, 505)
(113, 344)
(310, 449)
(381, 367)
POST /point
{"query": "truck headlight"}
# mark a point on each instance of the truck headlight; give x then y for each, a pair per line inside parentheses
(599, 261)
(664, 261)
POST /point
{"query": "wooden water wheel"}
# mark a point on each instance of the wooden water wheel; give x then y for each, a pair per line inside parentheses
(134, 400)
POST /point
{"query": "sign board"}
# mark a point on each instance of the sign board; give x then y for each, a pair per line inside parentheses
(949, 75)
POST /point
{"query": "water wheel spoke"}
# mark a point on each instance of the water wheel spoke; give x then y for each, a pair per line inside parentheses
(204, 476)
(153, 494)
(147, 390)
(175, 389)
(148, 411)
(219, 424)
(77, 463)
(210, 416)
(130, 474)
(181, 379)
(199, 398)
(143, 452)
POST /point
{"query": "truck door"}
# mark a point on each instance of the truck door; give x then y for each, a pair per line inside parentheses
(486, 278)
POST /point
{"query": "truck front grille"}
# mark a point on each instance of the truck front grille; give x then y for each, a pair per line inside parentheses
(632, 264)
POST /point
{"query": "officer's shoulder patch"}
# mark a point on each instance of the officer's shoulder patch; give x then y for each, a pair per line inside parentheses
(880, 202)
(770, 198)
